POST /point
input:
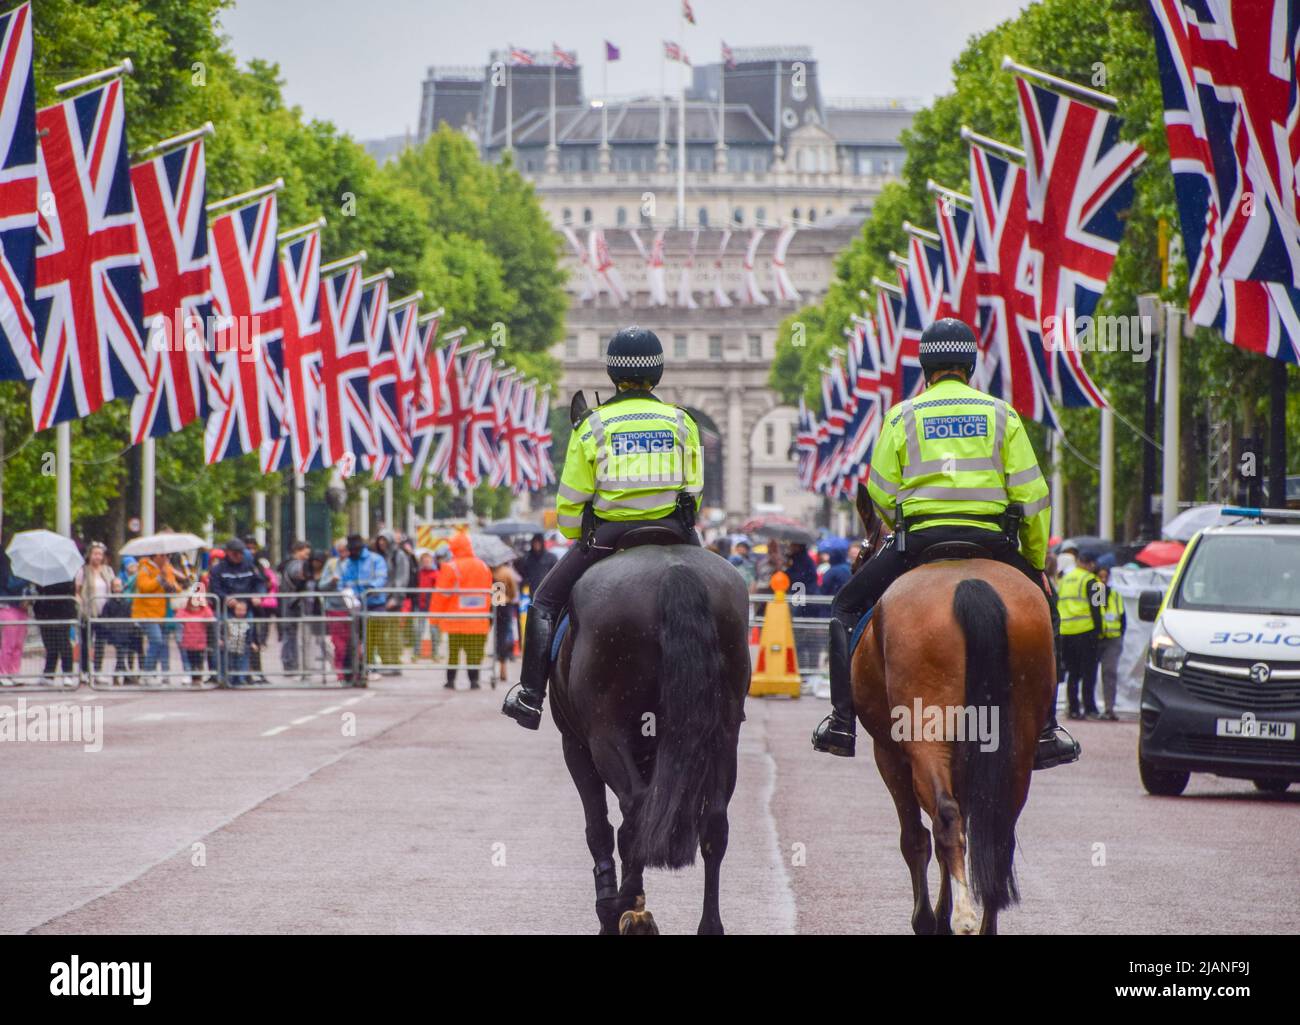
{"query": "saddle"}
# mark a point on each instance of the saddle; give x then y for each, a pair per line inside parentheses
(947, 550)
(640, 537)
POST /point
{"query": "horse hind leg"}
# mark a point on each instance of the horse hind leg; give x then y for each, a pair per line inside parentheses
(714, 831)
(600, 834)
(633, 918)
(934, 790)
(914, 838)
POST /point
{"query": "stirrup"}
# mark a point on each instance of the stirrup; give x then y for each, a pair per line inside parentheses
(832, 738)
(1052, 749)
(517, 707)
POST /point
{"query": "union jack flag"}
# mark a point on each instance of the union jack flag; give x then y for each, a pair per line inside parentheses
(389, 434)
(564, 58)
(300, 288)
(1079, 186)
(900, 365)
(806, 444)
(171, 197)
(860, 432)
(831, 430)
(673, 52)
(541, 438)
(347, 431)
(728, 58)
(917, 294)
(1009, 325)
(20, 354)
(1230, 107)
(520, 56)
(404, 330)
(957, 244)
(479, 452)
(87, 306)
(247, 382)
(441, 415)
(513, 461)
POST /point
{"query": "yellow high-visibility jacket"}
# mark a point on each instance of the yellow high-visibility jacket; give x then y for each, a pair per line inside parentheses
(1080, 602)
(954, 450)
(630, 458)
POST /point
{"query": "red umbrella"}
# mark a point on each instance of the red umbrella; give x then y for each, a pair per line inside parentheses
(1161, 553)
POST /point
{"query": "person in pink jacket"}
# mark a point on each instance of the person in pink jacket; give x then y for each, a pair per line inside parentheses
(195, 616)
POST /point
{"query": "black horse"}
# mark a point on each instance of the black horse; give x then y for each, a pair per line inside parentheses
(648, 693)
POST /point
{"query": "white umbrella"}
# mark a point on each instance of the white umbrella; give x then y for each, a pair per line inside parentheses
(166, 543)
(44, 557)
(1189, 521)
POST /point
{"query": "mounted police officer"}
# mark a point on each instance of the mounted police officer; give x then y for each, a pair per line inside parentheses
(953, 464)
(632, 461)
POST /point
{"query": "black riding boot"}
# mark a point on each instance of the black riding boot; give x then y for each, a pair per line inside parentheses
(524, 702)
(1055, 745)
(837, 733)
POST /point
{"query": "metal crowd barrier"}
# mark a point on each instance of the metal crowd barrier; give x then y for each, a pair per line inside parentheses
(409, 637)
(38, 653)
(810, 618)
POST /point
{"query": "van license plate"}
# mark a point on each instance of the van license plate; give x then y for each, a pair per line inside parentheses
(1259, 729)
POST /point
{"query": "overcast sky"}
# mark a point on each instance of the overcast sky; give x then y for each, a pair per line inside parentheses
(359, 63)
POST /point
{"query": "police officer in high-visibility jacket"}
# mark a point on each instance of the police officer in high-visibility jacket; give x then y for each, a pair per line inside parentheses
(635, 459)
(1082, 599)
(953, 464)
(1114, 621)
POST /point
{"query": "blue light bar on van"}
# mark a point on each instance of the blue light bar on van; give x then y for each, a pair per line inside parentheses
(1261, 514)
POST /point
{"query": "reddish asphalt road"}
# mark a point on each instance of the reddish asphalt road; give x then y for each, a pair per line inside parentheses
(408, 808)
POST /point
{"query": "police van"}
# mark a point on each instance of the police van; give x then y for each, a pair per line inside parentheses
(1221, 688)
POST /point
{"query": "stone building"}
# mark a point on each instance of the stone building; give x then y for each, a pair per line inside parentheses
(767, 154)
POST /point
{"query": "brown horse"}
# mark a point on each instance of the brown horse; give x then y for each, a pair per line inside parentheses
(955, 725)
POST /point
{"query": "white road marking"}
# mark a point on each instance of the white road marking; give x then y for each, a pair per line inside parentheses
(277, 730)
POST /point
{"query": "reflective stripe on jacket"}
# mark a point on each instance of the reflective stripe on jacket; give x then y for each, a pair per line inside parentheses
(955, 450)
(1112, 617)
(1075, 605)
(630, 458)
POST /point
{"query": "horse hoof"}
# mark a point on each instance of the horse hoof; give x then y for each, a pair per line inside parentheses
(638, 921)
(965, 923)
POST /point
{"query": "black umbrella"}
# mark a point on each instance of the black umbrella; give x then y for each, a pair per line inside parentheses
(1089, 543)
(512, 528)
(779, 528)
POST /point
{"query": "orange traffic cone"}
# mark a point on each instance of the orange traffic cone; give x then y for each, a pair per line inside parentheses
(781, 676)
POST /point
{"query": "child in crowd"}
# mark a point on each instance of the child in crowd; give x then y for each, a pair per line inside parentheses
(241, 642)
(194, 615)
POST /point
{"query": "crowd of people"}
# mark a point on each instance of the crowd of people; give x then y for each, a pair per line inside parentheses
(229, 615)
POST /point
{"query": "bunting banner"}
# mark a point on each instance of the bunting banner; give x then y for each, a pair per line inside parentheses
(750, 293)
(685, 298)
(603, 265)
(590, 287)
(720, 297)
(782, 287)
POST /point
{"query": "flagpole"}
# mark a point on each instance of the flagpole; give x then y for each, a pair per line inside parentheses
(720, 156)
(299, 506)
(509, 102)
(1058, 489)
(1173, 424)
(388, 504)
(148, 485)
(552, 150)
(63, 479)
(1106, 514)
(158, 149)
(1080, 92)
(259, 516)
(244, 198)
(969, 135)
(125, 68)
(681, 129)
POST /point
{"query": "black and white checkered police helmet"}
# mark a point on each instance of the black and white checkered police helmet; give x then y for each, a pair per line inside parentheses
(948, 342)
(635, 354)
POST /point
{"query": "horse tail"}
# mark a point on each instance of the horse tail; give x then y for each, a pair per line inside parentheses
(691, 726)
(989, 776)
